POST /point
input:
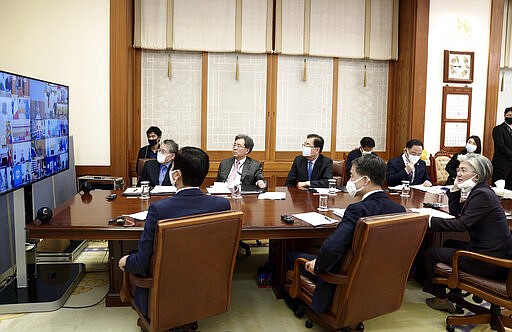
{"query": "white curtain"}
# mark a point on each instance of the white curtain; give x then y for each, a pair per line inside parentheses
(506, 54)
(150, 24)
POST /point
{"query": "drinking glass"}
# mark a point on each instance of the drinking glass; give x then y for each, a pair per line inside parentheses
(322, 202)
(144, 187)
(237, 190)
(406, 189)
(332, 187)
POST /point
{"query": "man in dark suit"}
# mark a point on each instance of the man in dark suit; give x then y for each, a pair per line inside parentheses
(367, 177)
(240, 168)
(502, 159)
(311, 169)
(154, 134)
(409, 166)
(157, 171)
(190, 168)
(366, 147)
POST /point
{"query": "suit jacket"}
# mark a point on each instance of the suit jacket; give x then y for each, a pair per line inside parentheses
(151, 172)
(184, 203)
(251, 172)
(482, 215)
(452, 166)
(334, 247)
(322, 172)
(396, 172)
(502, 159)
(356, 153)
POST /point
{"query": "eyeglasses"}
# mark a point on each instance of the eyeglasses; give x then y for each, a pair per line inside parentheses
(238, 146)
(464, 170)
(164, 151)
(304, 145)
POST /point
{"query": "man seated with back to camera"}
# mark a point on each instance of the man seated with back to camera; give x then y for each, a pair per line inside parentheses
(409, 166)
(240, 168)
(157, 171)
(367, 178)
(153, 134)
(311, 169)
(366, 147)
(190, 169)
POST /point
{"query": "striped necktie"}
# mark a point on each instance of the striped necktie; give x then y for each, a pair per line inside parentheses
(310, 169)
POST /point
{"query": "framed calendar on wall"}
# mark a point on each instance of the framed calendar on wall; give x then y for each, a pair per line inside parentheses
(456, 118)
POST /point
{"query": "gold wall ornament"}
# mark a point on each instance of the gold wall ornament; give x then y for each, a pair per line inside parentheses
(304, 74)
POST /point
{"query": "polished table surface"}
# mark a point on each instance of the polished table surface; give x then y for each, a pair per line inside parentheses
(86, 216)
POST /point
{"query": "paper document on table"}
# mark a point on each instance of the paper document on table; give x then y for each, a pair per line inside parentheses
(433, 212)
(132, 191)
(276, 195)
(163, 190)
(219, 188)
(432, 189)
(339, 212)
(325, 191)
(315, 219)
(139, 215)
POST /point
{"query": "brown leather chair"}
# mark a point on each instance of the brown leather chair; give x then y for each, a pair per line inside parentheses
(191, 270)
(497, 292)
(438, 165)
(140, 165)
(338, 172)
(372, 278)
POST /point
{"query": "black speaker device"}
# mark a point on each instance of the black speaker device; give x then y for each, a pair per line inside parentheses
(44, 215)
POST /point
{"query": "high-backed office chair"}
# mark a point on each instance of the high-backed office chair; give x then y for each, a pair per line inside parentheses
(338, 172)
(191, 270)
(438, 165)
(497, 292)
(372, 278)
(140, 166)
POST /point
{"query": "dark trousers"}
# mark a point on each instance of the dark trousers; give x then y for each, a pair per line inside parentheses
(502, 175)
(444, 255)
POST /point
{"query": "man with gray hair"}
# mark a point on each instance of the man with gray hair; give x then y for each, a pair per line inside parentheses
(157, 171)
(478, 211)
(240, 168)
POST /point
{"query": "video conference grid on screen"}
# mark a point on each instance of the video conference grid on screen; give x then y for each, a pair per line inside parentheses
(34, 130)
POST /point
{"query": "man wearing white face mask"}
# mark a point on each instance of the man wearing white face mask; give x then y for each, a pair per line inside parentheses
(408, 166)
(367, 178)
(157, 171)
(311, 169)
(366, 147)
(478, 211)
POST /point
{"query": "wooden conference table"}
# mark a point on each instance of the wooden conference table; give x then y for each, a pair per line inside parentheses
(85, 217)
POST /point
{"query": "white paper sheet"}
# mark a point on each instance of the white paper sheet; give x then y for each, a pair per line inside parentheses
(433, 213)
(339, 212)
(138, 215)
(159, 190)
(276, 195)
(315, 219)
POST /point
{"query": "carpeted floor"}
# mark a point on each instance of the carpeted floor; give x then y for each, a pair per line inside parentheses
(252, 308)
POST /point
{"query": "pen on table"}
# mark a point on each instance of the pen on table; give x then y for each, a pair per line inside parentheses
(135, 190)
(329, 219)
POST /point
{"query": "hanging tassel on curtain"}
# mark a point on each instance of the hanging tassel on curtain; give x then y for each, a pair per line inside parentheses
(305, 74)
(502, 84)
(169, 71)
(237, 69)
(364, 77)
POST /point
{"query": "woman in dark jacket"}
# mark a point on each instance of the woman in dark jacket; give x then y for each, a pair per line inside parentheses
(473, 145)
(478, 211)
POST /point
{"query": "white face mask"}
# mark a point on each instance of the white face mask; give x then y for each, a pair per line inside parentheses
(468, 184)
(414, 159)
(306, 151)
(470, 148)
(160, 157)
(351, 187)
(171, 178)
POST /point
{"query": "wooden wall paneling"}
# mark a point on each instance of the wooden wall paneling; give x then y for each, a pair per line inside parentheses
(134, 120)
(493, 76)
(409, 75)
(121, 80)
(334, 116)
(271, 95)
(204, 101)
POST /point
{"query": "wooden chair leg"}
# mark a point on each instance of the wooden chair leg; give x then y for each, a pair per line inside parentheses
(465, 320)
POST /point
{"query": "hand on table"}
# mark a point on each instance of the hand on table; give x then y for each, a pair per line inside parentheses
(303, 185)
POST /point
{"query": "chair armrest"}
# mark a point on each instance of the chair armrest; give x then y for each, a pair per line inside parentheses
(453, 279)
(332, 278)
(294, 288)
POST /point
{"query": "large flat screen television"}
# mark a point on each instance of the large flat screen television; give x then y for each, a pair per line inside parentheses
(34, 130)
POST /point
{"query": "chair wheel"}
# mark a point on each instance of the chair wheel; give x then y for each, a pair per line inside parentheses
(360, 326)
(450, 328)
(258, 243)
(460, 310)
(477, 299)
(299, 312)
(308, 324)
(194, 326)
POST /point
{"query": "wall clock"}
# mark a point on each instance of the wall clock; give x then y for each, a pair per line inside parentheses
(458, 67)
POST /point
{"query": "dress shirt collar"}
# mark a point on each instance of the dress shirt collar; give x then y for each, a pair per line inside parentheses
(241, 161)
(186, 188)
(369, 193)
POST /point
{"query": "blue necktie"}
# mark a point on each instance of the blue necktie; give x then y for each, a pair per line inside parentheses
(163, 171)
(310, 169)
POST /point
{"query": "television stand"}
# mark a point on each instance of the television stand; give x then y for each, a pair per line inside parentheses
(48, 288)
